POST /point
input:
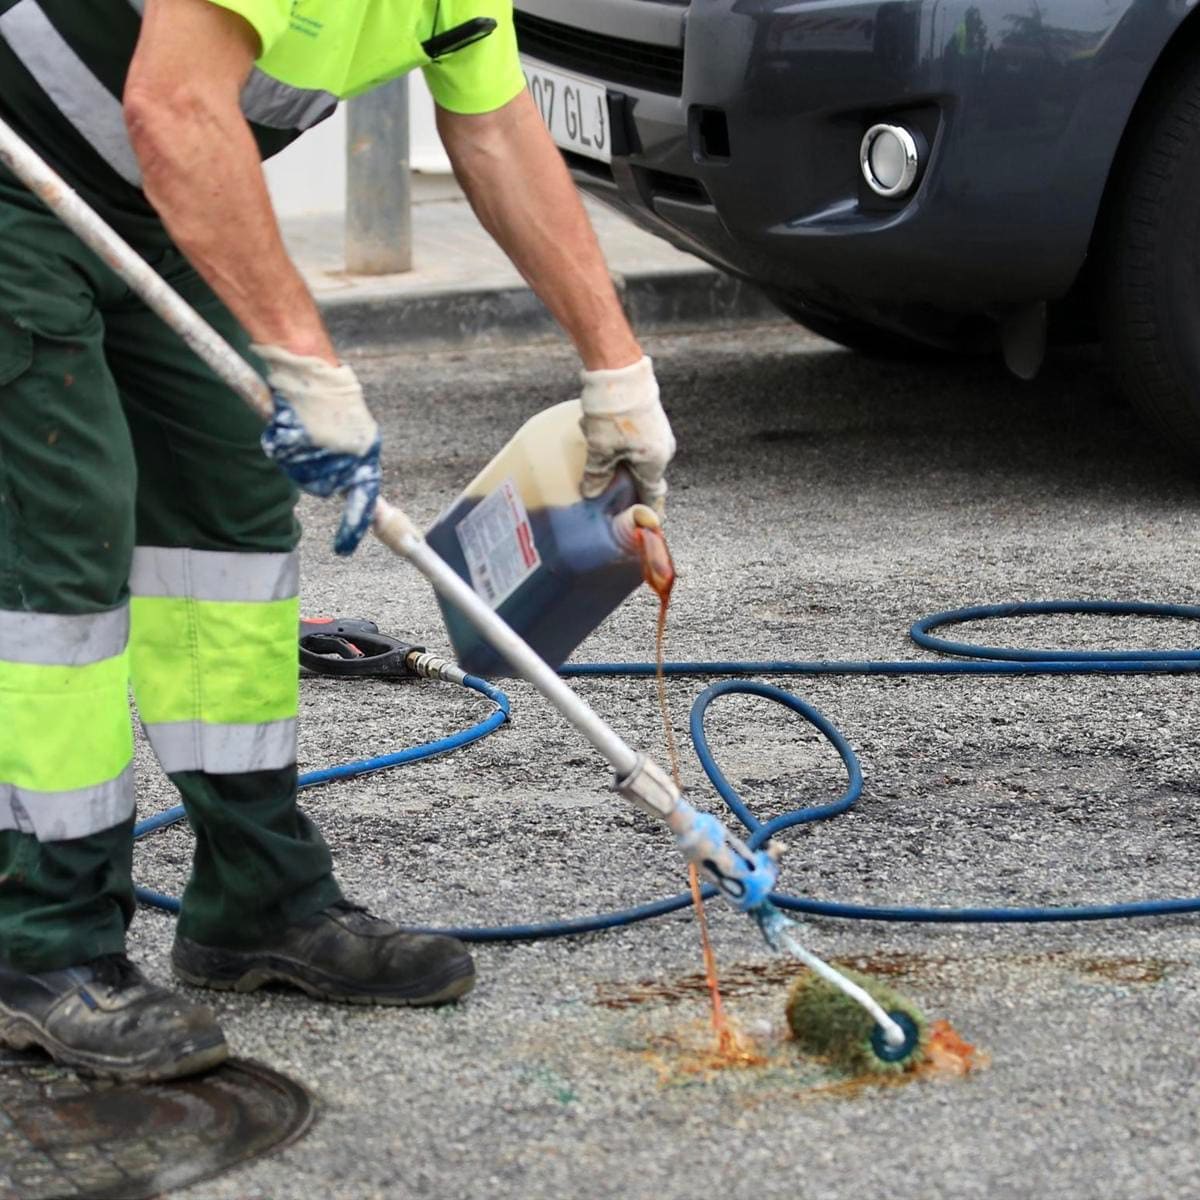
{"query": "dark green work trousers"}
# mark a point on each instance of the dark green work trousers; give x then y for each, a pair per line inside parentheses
(113, 437)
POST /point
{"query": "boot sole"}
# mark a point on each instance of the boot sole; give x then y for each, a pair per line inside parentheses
(327, 988)
(19, 1033)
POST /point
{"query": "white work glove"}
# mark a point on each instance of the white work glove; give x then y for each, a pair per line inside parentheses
(323, 436)
(623, 422)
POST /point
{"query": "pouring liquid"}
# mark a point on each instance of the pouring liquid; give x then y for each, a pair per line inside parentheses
(658, 571)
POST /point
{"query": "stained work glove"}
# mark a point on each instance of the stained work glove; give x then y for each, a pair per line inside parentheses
(623, 422)
(323, 436)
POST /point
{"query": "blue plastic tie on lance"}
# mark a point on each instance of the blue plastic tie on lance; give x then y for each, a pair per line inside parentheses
(755, 876)
(760, 881)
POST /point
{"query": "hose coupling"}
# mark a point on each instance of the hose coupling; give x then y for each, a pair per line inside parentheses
(430, 666)
(650, 788)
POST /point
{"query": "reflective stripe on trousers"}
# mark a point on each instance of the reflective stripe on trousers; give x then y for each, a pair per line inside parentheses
(67, 747)
(214, 657)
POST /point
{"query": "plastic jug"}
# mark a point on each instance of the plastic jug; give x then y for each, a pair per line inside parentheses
(553, 564)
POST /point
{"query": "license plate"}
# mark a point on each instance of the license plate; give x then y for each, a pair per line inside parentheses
(575, 110)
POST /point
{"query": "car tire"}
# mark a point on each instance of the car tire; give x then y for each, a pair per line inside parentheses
(1151, 298)
(860, 336)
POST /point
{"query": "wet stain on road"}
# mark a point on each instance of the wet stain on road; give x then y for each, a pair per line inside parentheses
(757, 978)
(684, 1057)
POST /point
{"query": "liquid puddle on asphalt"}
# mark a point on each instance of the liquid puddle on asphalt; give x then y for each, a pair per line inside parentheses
(684, 1057)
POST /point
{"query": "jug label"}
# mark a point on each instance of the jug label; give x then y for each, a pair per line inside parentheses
(497, 542)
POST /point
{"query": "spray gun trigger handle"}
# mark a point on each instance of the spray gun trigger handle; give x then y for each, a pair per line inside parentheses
(353, 646)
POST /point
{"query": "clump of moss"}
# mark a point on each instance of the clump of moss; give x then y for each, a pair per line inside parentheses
(827, 1023)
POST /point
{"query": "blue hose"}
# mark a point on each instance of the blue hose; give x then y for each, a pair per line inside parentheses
(980, 660)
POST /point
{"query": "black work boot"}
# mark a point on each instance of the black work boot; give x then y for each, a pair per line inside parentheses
(105, 1018)
(341, 953)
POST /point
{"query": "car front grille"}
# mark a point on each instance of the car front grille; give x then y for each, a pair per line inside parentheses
(612, 59)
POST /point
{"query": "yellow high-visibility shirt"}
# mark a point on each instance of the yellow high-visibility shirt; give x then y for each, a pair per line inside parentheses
(345, 47)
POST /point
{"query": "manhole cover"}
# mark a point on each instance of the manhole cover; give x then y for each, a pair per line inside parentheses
(62, 1135)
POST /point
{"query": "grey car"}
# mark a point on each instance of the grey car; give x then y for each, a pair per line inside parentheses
(970, 177)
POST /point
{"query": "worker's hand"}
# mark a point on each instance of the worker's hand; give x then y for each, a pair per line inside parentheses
(623, 422)
(323, 436)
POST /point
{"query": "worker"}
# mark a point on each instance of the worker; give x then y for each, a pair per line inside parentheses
(146, 538)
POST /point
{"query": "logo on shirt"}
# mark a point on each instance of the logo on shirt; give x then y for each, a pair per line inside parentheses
(299, 23)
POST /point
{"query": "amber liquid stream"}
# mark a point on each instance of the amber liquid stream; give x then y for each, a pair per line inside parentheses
(658, 571)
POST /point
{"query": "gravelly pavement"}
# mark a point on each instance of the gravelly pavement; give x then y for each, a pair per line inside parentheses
(821, 502)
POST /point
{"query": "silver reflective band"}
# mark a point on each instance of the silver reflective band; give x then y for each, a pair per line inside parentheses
(214, 574)
(53, 640)
(76, 92)
(61, 816)
(223, 749)
(277, 105)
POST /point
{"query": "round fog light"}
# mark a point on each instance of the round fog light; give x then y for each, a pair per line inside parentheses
(889, 159)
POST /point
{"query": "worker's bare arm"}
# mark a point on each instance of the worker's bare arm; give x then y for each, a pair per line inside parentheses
(201, 168)
(515, 179)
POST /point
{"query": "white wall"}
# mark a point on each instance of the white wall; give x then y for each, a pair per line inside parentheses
(310, 175)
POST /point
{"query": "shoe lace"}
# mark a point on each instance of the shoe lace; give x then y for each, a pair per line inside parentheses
(348, 907)
(114, 971)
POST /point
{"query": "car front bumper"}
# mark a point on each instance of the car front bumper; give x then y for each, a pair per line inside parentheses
(737, 126)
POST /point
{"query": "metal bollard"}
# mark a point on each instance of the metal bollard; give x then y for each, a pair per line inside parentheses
(378, 183)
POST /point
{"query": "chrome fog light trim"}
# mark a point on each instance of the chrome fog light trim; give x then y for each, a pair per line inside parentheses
(889, 159)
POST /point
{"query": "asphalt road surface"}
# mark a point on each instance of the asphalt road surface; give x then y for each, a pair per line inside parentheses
(821, 502)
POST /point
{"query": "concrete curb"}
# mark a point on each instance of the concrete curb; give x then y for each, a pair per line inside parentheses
(494, 316)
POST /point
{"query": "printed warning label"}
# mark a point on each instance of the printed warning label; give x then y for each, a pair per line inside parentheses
(497, 542)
